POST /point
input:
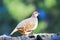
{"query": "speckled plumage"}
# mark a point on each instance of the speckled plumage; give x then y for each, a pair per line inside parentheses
(27, 25)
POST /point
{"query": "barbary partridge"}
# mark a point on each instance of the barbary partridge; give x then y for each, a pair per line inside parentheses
(28, 25)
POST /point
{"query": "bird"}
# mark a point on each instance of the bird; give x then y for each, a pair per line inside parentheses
(25, 27)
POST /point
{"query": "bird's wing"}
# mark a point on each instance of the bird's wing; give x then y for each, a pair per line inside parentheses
(22, 23)
(27, 24)
(19, 26)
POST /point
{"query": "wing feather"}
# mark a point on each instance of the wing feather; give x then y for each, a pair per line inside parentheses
(26, 24)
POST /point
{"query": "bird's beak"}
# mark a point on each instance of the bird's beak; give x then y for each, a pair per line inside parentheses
(38, 13)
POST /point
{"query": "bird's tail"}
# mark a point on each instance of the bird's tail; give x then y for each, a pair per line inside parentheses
(15, 30)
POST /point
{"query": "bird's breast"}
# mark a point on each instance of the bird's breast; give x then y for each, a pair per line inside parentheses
(36, 23)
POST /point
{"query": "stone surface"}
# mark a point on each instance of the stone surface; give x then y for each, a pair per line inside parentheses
(37, 37)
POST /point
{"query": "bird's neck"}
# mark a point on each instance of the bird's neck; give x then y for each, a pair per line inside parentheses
(33, 16)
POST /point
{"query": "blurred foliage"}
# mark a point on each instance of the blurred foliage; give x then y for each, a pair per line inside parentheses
(49, 3)
(14, 11)
(19, 10)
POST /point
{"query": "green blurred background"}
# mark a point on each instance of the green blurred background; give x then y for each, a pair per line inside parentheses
(14, 11)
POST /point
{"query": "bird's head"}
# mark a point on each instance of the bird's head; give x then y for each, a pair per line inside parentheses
(35, 14)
